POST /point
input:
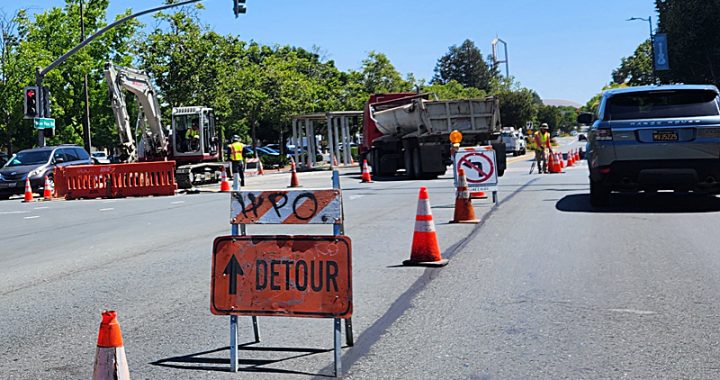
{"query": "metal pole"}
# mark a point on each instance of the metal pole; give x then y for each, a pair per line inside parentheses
(86, 120)
(331, 142)
(652, 49)
(40, 108)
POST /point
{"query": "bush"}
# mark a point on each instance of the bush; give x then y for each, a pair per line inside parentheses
(274, 161)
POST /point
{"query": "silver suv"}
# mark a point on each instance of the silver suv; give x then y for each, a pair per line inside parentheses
(654, 138)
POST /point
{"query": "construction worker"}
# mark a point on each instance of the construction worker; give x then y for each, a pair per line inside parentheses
(235, 153)
(541, 145)
(193, 136)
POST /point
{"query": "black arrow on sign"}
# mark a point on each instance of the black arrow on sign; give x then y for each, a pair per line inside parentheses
(233, 269)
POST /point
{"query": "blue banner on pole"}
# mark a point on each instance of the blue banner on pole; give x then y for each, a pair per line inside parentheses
(661, 52)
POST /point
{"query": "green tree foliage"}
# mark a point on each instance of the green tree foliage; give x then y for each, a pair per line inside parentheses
(465, 65)
(550, 115)
(637, 69)
(380, 76)
(453, 90)
(40, 40)
(693, 40)
(517, 107)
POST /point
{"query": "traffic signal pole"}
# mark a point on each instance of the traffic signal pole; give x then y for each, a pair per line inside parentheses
(41, 72)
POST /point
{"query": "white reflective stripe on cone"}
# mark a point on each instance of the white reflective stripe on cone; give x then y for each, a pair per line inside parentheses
(423, 207)
(424, 226)
(111, 364)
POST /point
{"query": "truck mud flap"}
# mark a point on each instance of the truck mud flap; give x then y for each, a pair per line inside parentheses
(501, 157)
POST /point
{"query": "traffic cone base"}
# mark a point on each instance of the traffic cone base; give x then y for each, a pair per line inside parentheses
(425, 249)
(47, 191)
(294, 182)
(478, 195)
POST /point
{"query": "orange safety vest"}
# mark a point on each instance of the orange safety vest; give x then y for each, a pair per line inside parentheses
(236, 151)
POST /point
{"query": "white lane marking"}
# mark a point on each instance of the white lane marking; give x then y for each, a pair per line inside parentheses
(41, 208)
(13, 212)
(177, 202)
(633, 311)
(106, 209)
(354, 197)
(31, 217)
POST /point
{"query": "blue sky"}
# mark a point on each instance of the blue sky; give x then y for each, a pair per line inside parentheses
(563, 49)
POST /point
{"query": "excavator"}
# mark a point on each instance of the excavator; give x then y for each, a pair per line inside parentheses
(192, 141)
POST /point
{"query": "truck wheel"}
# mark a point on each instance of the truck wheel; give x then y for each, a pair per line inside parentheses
(599, 194)
(409, 167)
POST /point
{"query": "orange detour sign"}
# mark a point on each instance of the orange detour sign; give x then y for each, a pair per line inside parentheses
(293, 276)
(286, 207)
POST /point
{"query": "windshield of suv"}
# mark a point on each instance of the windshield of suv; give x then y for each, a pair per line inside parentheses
(29, 158)
(662, 104)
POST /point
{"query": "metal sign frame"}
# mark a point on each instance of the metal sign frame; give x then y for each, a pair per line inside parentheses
(338, 230)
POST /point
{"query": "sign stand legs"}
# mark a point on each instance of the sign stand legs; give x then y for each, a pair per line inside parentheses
(233, 344)
(495, 197)
(256, 329)
(349, 333)
(338, 346)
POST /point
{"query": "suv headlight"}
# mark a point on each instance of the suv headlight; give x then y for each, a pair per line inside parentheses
(35, 173)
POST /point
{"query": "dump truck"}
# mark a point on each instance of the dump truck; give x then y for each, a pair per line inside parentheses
(410, 132)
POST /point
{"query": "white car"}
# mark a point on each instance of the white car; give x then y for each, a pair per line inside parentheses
(514, 142)
(100, 158)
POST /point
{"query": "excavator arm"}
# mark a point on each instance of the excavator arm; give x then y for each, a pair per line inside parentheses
(154, 141)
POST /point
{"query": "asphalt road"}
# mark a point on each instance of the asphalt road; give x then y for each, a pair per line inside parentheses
(544, 287)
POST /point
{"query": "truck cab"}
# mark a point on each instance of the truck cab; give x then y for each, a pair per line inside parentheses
(193, 134)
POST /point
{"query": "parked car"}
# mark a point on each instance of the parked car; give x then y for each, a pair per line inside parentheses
(514, 142)
(100, 158)
(35, 164)
(654, 138)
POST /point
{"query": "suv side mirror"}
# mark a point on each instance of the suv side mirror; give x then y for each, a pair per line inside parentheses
(586, 118)
(59, 160)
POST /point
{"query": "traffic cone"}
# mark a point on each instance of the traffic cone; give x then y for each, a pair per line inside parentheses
(366, 178)
(224, 184)
(464, 211)
(478, 194)
(110, 361)
(335, 161)
(260, 170)
(293, 174)
(47, 190)
(28, 191)
(551, 163)
(560, 160)
(425, 249)
(558, 163)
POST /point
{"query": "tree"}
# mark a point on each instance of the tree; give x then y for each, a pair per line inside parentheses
(637, 69)
(380, 76)
(453, 90)
(465, 65)
(517, 107)
(693, 40)
(550, 115)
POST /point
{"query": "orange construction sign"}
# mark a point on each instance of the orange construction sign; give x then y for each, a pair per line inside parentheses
(293, 276)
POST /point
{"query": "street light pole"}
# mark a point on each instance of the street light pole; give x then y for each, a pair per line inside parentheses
(652, 43)
(86, 119)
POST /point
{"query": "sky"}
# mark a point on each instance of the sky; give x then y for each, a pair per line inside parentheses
(562, 49)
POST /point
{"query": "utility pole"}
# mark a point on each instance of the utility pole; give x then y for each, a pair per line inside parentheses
(86, 119)
(652, 43)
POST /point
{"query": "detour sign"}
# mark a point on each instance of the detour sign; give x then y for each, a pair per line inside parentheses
(294, 276)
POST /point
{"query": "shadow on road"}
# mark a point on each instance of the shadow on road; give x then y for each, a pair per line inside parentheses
(643, 203)
(200, 362)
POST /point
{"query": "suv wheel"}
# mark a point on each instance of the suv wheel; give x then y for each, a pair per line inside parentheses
(599, 194)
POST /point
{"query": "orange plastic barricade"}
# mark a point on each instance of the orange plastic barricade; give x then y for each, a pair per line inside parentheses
(115, 181)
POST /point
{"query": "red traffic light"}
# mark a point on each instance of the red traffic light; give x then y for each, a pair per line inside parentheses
(31, 93)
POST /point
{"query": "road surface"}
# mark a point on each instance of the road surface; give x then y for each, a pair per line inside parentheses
(544, 287)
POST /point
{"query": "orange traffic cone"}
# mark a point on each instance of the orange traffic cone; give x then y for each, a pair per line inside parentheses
(28, 191)
(335, 161)
(478, 194)
(464, 211)
(293, 174)
(260, 170)
(560, 160)
(366, 178)
(224, 184)
(47, 190)
(577, 155)
(425, 248)
(110, 361)
(551, 163)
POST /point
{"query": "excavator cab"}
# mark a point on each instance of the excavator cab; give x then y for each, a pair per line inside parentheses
(193, 133)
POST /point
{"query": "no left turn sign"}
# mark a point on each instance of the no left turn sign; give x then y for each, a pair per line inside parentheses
(479, 165)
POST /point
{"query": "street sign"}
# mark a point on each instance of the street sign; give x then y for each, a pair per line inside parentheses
(44, 123)
(480, 167)
(660, 48)
(286, 207)
(292, 276)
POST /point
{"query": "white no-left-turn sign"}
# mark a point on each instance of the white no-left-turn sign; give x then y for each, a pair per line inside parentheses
(479, 165)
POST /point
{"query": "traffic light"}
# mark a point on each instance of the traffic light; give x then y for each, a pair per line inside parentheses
(31, 102)
(46, 101)
(239, 7)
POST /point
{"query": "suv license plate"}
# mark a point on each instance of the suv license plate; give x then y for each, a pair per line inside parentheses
(665, 136)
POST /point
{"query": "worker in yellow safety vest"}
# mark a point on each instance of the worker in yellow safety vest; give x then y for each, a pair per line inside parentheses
(192, 136)
(541, 145)
(236, 158)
